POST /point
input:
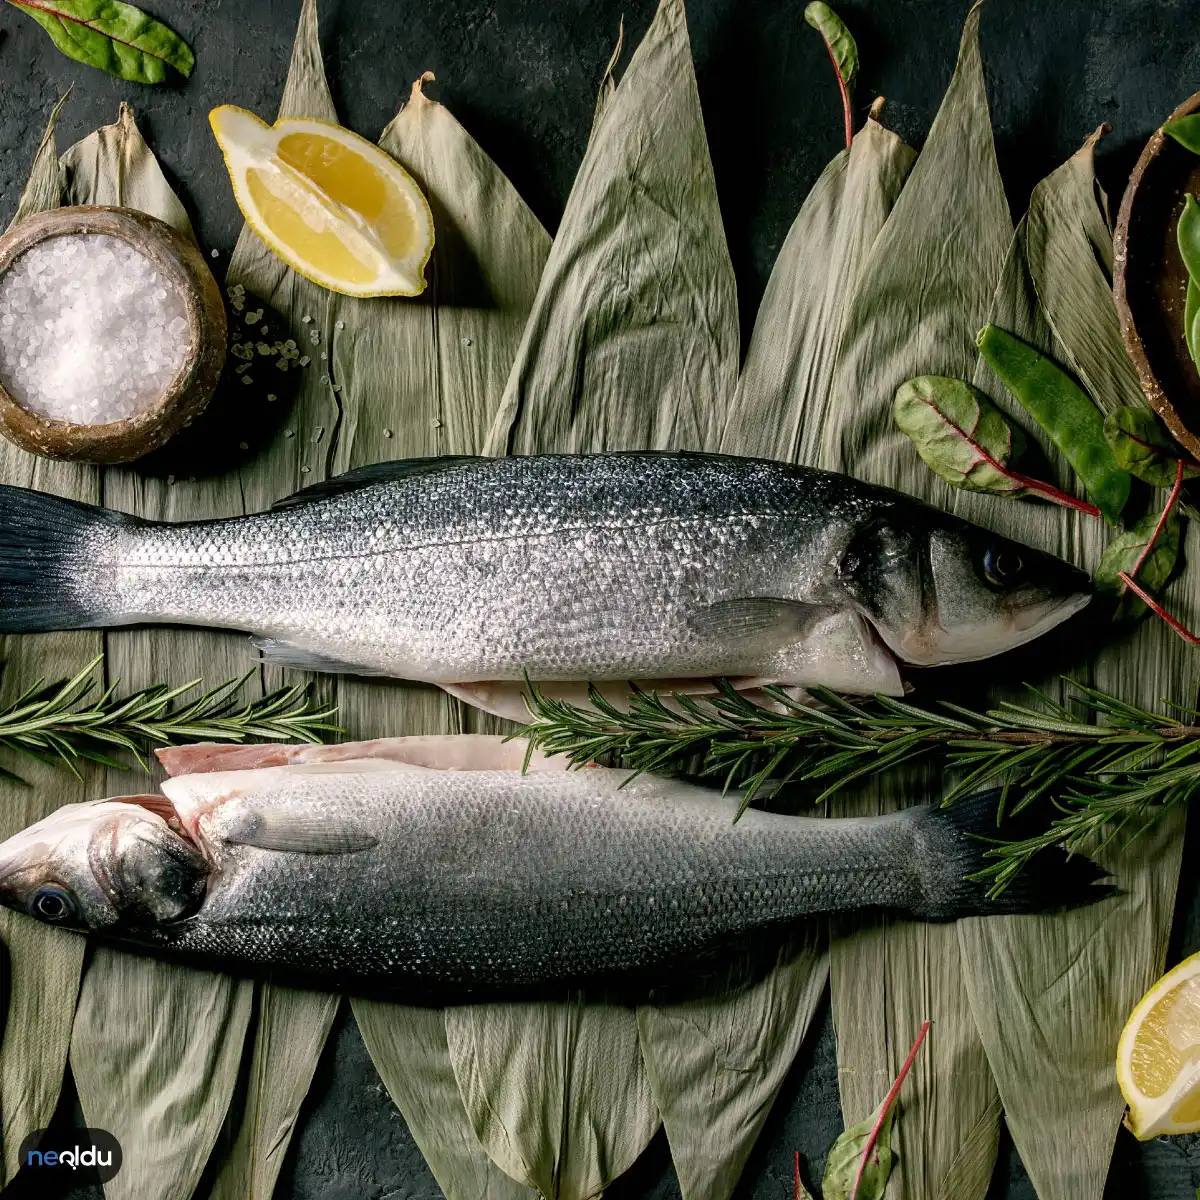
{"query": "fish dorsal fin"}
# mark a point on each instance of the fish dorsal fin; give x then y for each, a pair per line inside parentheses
(385, 472)
(298, 833)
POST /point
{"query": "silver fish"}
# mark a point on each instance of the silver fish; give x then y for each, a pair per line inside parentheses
(472, 573)
(381, 871)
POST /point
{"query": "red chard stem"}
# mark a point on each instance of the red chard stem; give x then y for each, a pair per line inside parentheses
(1154, 606)
(888, 1101)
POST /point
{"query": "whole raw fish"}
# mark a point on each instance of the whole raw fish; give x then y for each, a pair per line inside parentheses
(472, 573)
(378, 872)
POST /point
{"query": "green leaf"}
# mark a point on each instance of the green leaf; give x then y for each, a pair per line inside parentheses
(116, 37)
(1187, 234)
(1141, 447)
(1191, 313)
(1186, 131)
(841, 1168)
(783, 394)
(838, 39)
(960, 434)
(1124, 551)
(1064, 410)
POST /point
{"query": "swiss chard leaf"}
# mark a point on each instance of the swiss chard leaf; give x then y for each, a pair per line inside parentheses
(843, 53)
(846, 1157)
(116, 37)
(960, 434)
(1142, 448)
(1122, 556)
(841, 44)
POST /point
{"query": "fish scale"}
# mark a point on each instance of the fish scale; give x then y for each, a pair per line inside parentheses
(470, 864)
(565, 568)
(368, 874)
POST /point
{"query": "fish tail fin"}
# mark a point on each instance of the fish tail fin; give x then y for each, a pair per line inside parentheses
(47, 552)
(953, 843)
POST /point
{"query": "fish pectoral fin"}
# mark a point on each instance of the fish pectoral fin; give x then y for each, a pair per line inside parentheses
(762, 619)
(288, 654)
(277, 829)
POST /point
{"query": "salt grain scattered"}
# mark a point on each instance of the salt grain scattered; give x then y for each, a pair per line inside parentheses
(289, 433)
(214, 253)
(305, 470)
(243, 445)
(387, 433)
(90, 332)
(339, 325)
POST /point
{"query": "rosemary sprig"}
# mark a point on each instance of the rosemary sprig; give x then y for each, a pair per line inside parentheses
(68, 722)
(1103, 767)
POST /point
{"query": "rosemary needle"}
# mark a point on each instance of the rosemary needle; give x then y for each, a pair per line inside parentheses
(68, 722)
(1098, 770)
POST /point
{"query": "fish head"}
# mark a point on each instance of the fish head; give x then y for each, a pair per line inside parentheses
(102, 865)
(939, 590)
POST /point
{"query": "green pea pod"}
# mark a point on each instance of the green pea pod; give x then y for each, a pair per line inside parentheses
(1186, 131)
(1191, 310)
(1064, 410)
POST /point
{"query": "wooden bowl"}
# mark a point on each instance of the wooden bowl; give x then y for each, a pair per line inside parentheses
(185, 397)
(1150, 280)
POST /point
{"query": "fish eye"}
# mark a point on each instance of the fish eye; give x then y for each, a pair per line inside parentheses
(52, 903)
(1001, 565)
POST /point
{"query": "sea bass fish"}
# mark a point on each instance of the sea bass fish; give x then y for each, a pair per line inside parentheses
(475, 573)
(380, 871)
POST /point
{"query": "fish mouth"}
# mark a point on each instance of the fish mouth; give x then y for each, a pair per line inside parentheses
(974, 644)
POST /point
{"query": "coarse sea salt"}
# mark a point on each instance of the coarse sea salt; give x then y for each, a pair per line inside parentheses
(91, 331)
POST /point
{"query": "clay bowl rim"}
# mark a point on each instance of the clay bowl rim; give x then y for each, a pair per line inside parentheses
(1151, 385)
(192, 386)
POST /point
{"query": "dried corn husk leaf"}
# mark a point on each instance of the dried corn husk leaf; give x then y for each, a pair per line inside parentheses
(923, 293)
(408, 1047)
(633, 339)
(784, 390)
(1051, 994)
(43, 964)
(716, 1065)
(556, 1093)
(1070, 250)
(396, 379)
(44, 188)
(154, 1072)
(291, 1029)
(115, 166)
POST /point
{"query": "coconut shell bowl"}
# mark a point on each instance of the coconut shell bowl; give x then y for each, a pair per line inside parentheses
(1150, 280)
(183, 275)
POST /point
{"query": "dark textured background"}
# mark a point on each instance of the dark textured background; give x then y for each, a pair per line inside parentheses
(521, 76)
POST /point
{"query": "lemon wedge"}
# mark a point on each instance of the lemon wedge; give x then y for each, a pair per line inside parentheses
(1158, 1057)
(332, 205)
